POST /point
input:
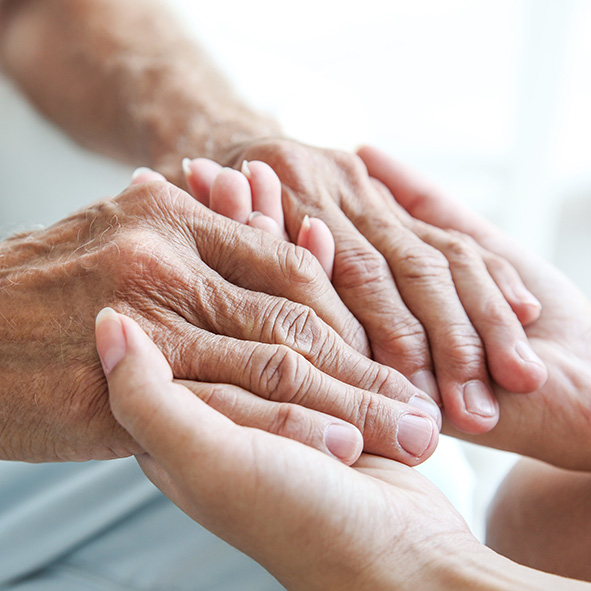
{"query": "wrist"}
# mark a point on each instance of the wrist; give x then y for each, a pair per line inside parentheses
(484, 569)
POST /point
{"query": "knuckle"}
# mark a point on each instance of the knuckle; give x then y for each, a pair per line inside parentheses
(496, 312)
(377, 378)
(406, 340)
(498, 265)
(353, 333)
(423, 263)
(367, 416)
(299, 265)
(464, 351)
(298, 327)
(281, 374)
(291, 420)
(362, 264)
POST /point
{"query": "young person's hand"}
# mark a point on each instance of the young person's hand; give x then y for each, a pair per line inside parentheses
(313, 522)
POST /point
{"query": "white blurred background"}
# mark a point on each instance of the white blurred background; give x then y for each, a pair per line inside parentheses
(488, 98)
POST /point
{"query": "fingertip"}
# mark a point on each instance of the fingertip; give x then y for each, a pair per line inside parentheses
(144, 174)
(344, 441)
(418, 437)
(316, 236)
(518, 370)
(265, 223)
(231, 196)
(200, 174)
(110, 339)
(527, 312)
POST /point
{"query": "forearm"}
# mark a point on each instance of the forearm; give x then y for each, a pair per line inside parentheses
(122, 79)
(540, 517)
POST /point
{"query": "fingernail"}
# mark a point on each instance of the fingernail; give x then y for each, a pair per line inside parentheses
(110, 342)
(305, 224)
(427, 406)
(245, 170)
(302, 239)
(254, 214)
(527, 354)
(187, 167)
(343, 441)
(479, 400)
(415, 434)
(139, 171)
(425, 380)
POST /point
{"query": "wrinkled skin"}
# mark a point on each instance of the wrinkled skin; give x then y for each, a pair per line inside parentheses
(212, 294)
(553, 423)
(441, 322)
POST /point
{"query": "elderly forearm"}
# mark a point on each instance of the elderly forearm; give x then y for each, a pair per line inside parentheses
(122, 79)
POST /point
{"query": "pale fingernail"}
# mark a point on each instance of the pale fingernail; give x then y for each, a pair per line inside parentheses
(140, 171)
(302, 239)
(111, 344)
(526, 296)
(428, 406)
(415, 434)
(245, 170)
(425, 380)
(305, 224)
(254, 214)
(479, 400)
(187, 167)
(343, 441)
(527, 354)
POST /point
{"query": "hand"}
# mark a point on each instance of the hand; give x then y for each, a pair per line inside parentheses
(309, 520)
(208, 291)
(418, 316)
(554, 422)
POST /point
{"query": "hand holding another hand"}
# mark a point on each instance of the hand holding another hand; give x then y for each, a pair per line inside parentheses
(213, 295)
(552, 423)
(435, 306)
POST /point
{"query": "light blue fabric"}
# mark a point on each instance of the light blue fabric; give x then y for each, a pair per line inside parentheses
(103, 526)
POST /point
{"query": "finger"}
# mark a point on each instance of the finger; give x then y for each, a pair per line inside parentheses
(524, 304)
(249, 259)
(266, 191)
(200, 174)
(230, 195)
(265, 223)
(365, 283)
(275, 372)
(316, 236)
(424, 280)
(429, 205)
(249, 316)
(145, 175)
(315, 429)
(134, 364)
(420, 199)
(511, 361)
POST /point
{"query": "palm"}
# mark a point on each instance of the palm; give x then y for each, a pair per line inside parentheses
(559, 412)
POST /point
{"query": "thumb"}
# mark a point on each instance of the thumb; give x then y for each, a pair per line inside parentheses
(164, 417)
(422, 201)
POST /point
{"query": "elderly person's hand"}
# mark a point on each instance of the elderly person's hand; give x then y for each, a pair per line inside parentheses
(314, 523)
(552, 423)
(213, 294)
(428, 303)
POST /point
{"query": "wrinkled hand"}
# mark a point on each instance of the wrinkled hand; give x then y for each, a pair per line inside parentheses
(212, 294)
(554, 422)
(424, 305)
(312, 522)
